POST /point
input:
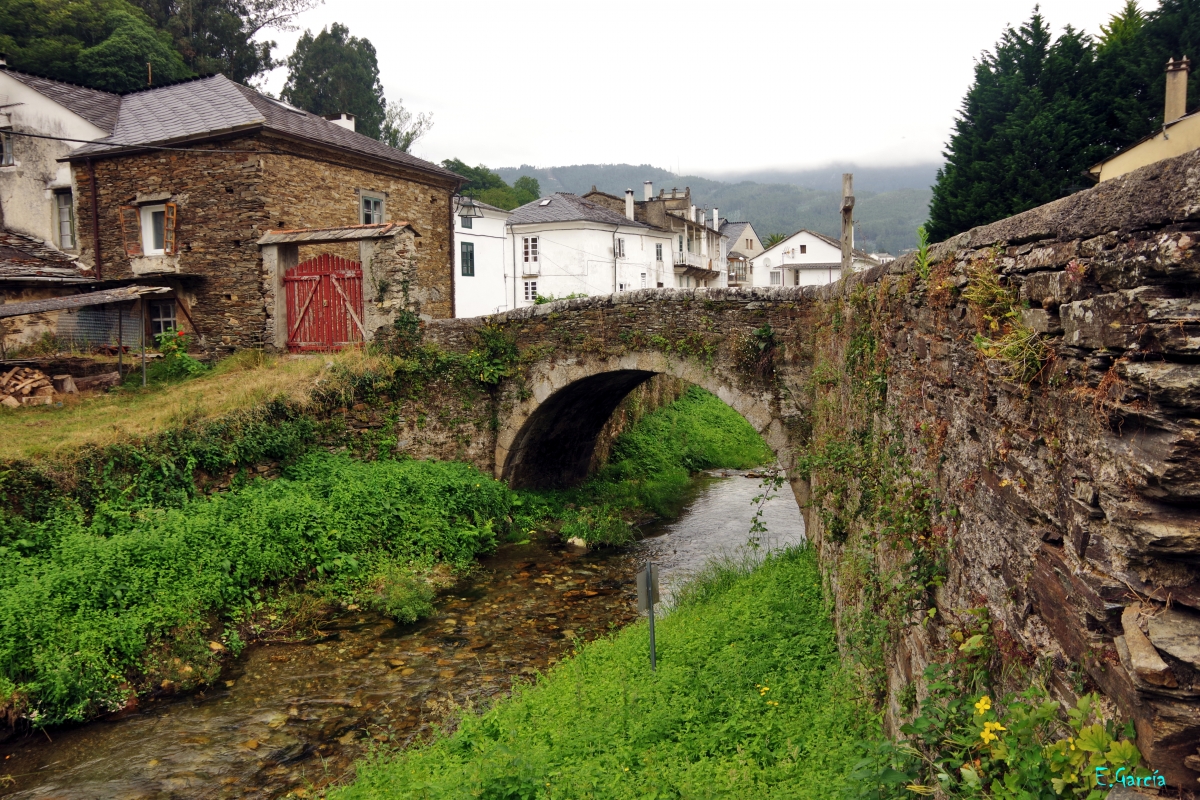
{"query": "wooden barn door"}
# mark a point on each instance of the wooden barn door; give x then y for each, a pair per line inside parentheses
(325, 304)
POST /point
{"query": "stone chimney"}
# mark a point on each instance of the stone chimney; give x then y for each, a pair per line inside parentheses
(343, 120)
(629, 203)
(648, 190)
(1177, 80)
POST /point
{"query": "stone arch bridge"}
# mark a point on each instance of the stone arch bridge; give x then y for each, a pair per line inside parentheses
(1076, 491)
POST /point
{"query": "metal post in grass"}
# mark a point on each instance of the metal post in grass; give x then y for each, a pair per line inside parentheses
(647, 589)
(142, 300)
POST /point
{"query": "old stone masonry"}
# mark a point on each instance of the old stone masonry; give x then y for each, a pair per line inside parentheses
(1070, 450)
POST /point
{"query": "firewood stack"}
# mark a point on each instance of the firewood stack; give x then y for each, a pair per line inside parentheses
(25, 386)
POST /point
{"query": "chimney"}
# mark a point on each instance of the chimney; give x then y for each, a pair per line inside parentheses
(716, 219)
(629, 203)
(648, 190)
(343, 120)
(692, 213)
(1177, 79)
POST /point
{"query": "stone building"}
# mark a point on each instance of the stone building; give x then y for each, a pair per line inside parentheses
(195, 174)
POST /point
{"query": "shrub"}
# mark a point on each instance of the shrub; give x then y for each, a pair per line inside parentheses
(402, 595)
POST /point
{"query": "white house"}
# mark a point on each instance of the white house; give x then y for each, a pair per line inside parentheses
(37, 196)
(743, 244)
(479, 259)
(804, 259)
(563, 244)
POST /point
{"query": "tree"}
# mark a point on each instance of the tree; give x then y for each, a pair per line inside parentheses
(101, 43)
(488, 187)
(334, 72)
(1027, 131)
(401, 129)
(219, 35)
(774, 239)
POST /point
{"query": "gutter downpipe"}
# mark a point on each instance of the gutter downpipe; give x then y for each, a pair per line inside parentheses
(95, 216)
(614, 249)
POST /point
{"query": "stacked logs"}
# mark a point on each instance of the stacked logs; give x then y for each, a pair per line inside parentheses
(26, 386)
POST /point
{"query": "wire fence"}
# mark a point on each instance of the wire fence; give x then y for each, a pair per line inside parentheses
(87, 328)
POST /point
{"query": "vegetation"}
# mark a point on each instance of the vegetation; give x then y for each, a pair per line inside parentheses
(334, 72)
(748, 701)
(1042, 110)
(774, 239)
(542, 299)
(96, 607)
(488, 187)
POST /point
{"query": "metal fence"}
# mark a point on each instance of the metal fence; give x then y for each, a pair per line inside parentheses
(96, 326)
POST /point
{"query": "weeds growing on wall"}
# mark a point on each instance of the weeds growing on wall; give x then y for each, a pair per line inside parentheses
(87, 600)
(749, 700)
(1003, 337)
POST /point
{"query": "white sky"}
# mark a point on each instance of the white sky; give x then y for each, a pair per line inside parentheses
(696, 87)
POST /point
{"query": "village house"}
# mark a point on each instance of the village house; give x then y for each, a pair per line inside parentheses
(743, 244)
(1180, 131)
(563, 244)
(697, 252)
(804, 259)
(273, 227)
(479, 267)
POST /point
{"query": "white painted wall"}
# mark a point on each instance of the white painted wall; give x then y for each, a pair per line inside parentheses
(27, 187)
(577, 258)
(484, 293)
(802, 259)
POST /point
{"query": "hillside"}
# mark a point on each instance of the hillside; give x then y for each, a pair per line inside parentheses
(891, 202)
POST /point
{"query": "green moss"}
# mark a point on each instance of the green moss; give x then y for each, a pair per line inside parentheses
(748, 701)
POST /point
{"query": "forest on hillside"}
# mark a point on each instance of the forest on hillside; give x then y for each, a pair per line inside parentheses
(885, 221)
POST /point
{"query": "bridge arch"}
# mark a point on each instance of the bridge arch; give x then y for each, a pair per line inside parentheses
(547, 439)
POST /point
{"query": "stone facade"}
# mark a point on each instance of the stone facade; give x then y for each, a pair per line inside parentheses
(227, 201)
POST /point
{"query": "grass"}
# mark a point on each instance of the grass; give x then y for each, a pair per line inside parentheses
(649, 469)
(93, 611)
(243, 381)
(749, 700)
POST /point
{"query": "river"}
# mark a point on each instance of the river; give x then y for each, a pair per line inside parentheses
(294, 717)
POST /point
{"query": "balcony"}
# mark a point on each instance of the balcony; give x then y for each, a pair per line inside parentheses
(693, 260)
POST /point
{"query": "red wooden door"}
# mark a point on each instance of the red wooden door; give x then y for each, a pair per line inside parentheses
(325, 304)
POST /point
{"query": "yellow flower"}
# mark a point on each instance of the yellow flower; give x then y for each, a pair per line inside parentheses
(983, 705)
(989, 729)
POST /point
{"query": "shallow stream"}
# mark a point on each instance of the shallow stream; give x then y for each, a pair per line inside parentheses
(294, 717)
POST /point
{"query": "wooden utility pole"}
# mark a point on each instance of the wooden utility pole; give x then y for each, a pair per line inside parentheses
(847, 222)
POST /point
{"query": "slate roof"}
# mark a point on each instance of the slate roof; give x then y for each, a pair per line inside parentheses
(124, 294)
(25, 258)
(206, 107)
(343, 233)
(734, 230)
(566, 207)
(830, 240)
(97, 107)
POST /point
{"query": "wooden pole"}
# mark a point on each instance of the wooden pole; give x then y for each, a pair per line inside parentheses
(847, 222)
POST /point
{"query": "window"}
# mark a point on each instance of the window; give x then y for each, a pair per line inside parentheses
(64, 218)
(6, 151)
(467, 222)
(658, 252)
(776, 277)
(468, 259)
(619, 248)
(803, 249)
(749, 244)
(643, 280)
(531, 291)
(372, 209)
(531, 249)
(161, 316)
(622, 287)
(154, 225)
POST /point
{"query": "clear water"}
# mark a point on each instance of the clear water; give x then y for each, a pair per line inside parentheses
(293, 718)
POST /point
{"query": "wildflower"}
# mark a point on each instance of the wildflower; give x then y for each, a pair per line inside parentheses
(983, 705)
(989, 728)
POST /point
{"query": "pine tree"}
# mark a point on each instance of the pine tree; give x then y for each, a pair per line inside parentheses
(334, 72)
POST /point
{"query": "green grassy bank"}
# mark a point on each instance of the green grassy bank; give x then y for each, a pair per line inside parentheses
(749, 701)
(149, 587)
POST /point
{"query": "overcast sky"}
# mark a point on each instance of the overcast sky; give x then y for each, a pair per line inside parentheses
(696, 87)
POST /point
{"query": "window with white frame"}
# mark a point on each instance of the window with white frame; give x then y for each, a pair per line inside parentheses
(372, 209)
(531, 291)
(468, 259)
(154, 229)
(6, 151)
(161, 316)
(467, 222)
(776, 277)
(64, 219)
(530, 249)
(643, 280)
(619, 248)
(658, 252)
(622, 287)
